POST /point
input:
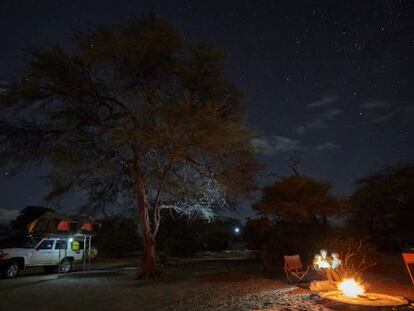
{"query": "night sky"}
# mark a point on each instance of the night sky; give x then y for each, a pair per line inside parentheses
(330, 82)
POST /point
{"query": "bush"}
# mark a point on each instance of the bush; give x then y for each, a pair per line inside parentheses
(287, 238)
(188, 237)
(117, 238)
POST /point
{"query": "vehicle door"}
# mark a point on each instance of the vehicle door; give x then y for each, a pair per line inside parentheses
(75, 249)
(43, 253)
(60, 250)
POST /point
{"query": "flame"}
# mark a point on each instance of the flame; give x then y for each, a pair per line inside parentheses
(351, 288)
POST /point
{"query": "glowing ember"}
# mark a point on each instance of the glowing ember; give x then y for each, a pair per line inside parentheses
(351, 288)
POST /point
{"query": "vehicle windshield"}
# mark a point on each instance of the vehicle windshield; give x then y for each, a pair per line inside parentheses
(20, 241)
(30, 242)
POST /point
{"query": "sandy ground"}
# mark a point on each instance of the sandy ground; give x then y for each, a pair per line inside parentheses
(225, 284)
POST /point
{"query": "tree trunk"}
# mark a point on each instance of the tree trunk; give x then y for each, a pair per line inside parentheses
(148, 269)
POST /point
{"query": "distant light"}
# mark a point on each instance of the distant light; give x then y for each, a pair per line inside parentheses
(70, 240)
(236, 230)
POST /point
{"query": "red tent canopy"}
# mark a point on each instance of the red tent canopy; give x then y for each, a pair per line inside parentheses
(63, 226)
(51, 222)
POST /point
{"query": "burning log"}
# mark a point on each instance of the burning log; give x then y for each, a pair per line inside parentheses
(351, 288)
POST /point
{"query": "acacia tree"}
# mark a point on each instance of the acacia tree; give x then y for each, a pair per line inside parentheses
(130, 115)
(382, 206)
(297, 199)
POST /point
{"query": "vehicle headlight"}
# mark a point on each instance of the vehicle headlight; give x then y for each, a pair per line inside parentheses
(3, 255)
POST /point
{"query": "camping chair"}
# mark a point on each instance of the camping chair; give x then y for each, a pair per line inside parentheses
(408, 260)
(294, 269)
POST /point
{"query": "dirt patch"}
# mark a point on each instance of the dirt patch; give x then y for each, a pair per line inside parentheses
(199, 285)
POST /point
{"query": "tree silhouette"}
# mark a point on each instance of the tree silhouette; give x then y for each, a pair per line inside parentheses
(296, 199)
(26, 216)
(382, 206)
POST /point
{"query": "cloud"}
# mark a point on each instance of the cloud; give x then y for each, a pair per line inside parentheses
(327, 146)
(301, 129)
(374, 105)
(380, 111)
(332, 114)
(262, 146)
(6, 215)
(285, 144)
(281, 144)
(384, 118)
(277, 144)
(319, 121)
(315, 124)
(324, 101)
(378, 116)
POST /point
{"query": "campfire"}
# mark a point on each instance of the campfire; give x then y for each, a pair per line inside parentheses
(348, 284)
(344, 284)
(352, 291)
(351, 288)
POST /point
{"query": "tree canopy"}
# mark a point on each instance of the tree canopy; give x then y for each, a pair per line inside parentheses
(297, 198)
(382, 206)
(26, 216)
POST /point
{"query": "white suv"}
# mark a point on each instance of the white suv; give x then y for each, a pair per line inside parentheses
(52, 253)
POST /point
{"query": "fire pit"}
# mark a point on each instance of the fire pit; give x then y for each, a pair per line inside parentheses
(352, 292)
(370, 299)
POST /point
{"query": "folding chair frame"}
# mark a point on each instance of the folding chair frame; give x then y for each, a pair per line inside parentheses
(408, 259)
(298, 274)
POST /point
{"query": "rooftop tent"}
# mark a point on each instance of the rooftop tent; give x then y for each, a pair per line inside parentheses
(48, 222)
(51, 222)
(86, 225)
(63, 226)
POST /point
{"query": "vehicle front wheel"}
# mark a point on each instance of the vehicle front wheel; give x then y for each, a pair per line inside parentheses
(65, 265)
(12, 270)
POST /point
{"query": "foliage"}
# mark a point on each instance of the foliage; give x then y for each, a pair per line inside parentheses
(288, 238)
(5, 231)
(297, 199)
(178, 236)
(219, 235)
(26, 216)
(257, 230)
(130, 115)
(382, 207)
(117, 237)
